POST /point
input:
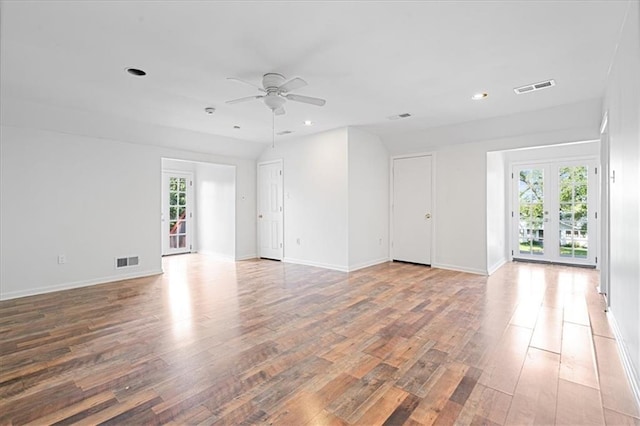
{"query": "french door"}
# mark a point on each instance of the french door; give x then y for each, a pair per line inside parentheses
(554, 216)
(176, 212)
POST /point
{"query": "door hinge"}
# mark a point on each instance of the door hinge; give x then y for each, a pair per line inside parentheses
(511, 175)
(596, 259)
(280, 245)
(596, 170)
(280, 172)
(511, 252)
(190, 214)
(596, 215)
(190, 247)
(190, 183)
(512, 214)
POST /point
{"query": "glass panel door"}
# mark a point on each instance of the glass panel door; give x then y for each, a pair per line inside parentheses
(531, 212)
(176, 212)
(573, 212)
(568, 191)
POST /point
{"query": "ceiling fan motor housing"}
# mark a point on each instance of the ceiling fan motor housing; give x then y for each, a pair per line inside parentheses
(272, 81)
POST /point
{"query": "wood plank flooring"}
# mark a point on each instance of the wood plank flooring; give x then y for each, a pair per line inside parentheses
(262, 342)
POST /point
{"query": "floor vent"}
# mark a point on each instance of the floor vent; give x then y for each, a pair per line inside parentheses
(127, 262)
(535, 86)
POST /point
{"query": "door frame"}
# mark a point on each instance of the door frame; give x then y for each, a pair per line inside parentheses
(511, 216)
(189, 207)
(434, 216)
(279, 161)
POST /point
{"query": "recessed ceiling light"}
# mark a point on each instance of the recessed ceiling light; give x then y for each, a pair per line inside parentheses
(209, 110)
(399, 116)
(479, 96)
(136, 71)
(236, 127)
(308, 123)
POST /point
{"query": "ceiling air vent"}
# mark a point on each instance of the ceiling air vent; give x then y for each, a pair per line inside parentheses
(533, 87)
(399, 116)
(284, 132)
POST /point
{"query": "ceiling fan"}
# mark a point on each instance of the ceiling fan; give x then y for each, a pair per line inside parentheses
(276, 90)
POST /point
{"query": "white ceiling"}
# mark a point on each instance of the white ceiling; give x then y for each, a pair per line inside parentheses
(369, 60)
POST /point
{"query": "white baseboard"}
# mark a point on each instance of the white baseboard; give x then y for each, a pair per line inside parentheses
(316, 264)
(363, 265)
(246, 256)
(458, 268)
(625, 357)
(78, 284)
(217, 256)
(491, 269)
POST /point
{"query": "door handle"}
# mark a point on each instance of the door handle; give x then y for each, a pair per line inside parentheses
(259, 216)
(427, 216)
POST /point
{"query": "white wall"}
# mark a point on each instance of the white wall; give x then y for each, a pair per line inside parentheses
(461, 171)
(497, 193)
(77, 196)
(216, 210)
(368, 200)
(315, 198)
(91, 199)
(623, 104)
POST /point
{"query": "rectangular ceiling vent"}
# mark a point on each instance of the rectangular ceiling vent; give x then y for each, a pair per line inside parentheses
(399, 116)
(284, 132)
(533, 87)
(127, 262)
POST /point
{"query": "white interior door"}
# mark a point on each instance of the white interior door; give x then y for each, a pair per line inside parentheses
(270, 210)
(554, 219)
(177, 212)
(411, 210)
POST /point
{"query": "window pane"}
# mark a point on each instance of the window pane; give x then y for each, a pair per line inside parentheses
(173, 198)
(173, 229)
(173, 213)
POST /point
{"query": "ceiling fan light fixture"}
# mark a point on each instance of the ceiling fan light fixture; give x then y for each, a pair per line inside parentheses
(479, 95)
(209, 110)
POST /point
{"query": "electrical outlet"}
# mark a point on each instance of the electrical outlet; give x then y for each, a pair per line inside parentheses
(62, 259)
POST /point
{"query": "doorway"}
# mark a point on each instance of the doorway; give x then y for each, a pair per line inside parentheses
(555, 212)
(177, 212)
(411, 209)
(270, 210)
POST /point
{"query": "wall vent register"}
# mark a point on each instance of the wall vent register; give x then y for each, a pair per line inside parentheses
(126, 262)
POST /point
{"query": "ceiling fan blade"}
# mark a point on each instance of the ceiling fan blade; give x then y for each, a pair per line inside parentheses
(279, 111)
(239, 80)
(248, 98)
(306, 99)
(293, 84)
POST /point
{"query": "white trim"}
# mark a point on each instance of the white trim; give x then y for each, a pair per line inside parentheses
(491, 269)
(340, 268)
(246, 256)
(363, 265)
(217, 256)
(78, 284)
(625, 357)
(459, 268)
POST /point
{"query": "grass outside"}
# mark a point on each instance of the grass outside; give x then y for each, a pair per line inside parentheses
(536, 247)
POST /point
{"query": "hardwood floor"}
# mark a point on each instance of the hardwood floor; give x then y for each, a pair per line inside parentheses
(262, 342)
